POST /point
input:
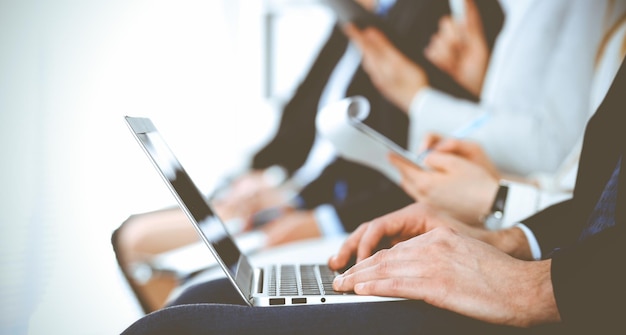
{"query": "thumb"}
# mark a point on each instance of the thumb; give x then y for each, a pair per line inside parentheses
(429, 141)
(408, 170)
(441, 161)
(458, 147)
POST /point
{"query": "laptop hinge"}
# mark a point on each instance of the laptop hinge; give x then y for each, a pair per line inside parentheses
(258, 279)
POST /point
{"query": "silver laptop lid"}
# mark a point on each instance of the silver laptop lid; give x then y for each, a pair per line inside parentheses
(208, 225)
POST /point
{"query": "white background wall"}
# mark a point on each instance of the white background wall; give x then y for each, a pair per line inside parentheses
(71, 172)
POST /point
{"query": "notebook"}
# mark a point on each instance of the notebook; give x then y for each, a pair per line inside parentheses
(342, 123)
(270, 285)
(357, 113)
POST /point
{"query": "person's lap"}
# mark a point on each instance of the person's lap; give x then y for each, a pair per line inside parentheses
(216, 308)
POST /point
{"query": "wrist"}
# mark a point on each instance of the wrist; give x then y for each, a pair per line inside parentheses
(537, 292)
(511, 241)
(417, 82)
(410, 95)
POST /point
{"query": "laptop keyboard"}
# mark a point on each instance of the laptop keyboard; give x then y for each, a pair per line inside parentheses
(301, 280)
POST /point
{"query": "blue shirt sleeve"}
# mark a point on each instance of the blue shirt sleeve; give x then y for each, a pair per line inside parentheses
(328, 220)
(384, 6)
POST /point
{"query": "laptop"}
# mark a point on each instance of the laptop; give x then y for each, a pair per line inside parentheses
(271, 285)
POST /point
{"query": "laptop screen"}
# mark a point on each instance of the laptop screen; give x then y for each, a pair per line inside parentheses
(191, 200)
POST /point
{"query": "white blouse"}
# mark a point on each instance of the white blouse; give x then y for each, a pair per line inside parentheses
(536, 90)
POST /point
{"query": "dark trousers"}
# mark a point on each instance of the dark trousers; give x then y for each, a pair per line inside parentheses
(192, 313)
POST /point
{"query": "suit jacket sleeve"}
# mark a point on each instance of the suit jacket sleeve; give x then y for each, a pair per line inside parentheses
(588, 283)
(296, 132)
(588, 275)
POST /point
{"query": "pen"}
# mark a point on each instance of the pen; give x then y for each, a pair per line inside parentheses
(460, 133)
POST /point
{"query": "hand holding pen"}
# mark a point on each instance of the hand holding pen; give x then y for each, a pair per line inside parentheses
(455, 144)
(469, 150)
(460, 179)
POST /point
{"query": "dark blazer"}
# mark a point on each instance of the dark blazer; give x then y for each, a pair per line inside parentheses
(365, 193)
(589, 276)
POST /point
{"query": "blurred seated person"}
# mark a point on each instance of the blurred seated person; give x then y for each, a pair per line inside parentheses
(297, 175)
(465, 183)
(533, 89)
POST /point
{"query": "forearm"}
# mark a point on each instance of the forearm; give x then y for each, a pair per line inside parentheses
(588, 281)
(527, 289)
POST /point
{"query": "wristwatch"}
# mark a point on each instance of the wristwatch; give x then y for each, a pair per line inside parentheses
(496, 214)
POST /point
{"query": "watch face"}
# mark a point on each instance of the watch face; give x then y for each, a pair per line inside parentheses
(500, 201)
(494, 219)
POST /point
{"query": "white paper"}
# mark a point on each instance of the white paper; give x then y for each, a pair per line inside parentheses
(333, 122)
